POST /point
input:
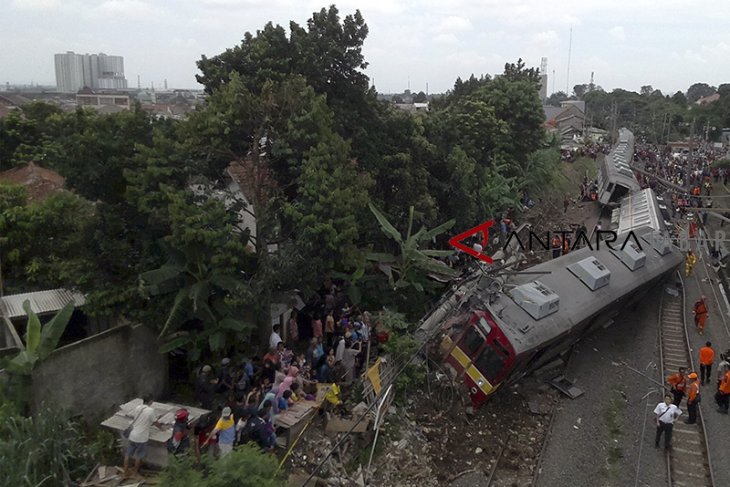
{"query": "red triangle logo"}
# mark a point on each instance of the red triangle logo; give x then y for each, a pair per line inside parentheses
(457, 241)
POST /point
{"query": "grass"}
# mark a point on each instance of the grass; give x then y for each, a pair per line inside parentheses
(613, 428)
(568, 180)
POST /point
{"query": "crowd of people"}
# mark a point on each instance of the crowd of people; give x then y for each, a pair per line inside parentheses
(694, 176)
(324, 346)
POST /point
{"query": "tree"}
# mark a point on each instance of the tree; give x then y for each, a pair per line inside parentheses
(724, 89)
(413, 264)
(556, 98)
(646, 90)
(332, 194)
(420, 97)
(39, 341)
(209, 297)
(699, 90)
(579, 91)
(679, 99)
(45, 243)
(518, 72)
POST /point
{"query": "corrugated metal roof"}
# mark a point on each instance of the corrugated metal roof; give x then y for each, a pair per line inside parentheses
(41, 302)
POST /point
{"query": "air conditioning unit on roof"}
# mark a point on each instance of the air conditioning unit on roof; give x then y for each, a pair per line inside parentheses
(591, 272)
(536, 298)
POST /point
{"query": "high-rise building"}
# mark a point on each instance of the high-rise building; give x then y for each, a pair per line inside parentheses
(75, 71)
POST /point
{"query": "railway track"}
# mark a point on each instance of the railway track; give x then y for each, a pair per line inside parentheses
(688, 462)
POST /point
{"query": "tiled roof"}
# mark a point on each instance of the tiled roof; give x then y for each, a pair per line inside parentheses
(38, 181)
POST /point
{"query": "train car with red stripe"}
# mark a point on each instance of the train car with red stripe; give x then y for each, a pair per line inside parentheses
(494, 332)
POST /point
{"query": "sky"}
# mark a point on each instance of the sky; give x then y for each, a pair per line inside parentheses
(668, 44)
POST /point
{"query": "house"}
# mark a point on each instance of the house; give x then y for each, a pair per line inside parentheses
(39, 182)
(706, 100)
(567, 121)
(10, 102)
(105, 102)
(412, 107)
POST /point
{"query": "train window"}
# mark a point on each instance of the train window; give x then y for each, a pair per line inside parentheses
(489, 363)
(485, 326)
(500, 348)
(472, 341)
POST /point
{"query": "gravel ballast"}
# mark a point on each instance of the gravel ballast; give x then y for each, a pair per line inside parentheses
(606, 436)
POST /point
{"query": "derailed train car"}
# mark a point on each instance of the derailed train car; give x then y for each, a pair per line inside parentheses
(615, 177)
(493, 331)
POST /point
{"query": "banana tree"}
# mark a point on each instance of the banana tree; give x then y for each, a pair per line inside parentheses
(414, 265)
(40, 341)
(203, 295)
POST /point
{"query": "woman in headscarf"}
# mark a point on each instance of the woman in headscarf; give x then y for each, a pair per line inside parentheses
(279, 377)
(288, 381)
(271, 397)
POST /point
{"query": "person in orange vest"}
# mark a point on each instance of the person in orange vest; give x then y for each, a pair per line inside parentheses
(678, 382)
(566, 245)
(556, 246)
(723, 393)
(693, 398)
(689, 263)
(700, 312)
(707, 357)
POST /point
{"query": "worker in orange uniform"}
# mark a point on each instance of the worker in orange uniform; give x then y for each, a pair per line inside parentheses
(557, 246)
(700, 311)
(693, 230)
(678, 382)
(693, 398)
(723, 393)
(689, 263)
(707, 357)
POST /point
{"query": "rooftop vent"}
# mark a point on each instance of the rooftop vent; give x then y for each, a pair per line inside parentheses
(631, 255)
(536, 298)
(591, 272)
(661, 243)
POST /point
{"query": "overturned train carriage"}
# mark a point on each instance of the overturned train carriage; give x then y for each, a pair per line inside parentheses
(495, 332)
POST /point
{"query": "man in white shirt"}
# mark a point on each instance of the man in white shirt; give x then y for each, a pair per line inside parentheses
(666, 414)
(275, 338)
(144, 418)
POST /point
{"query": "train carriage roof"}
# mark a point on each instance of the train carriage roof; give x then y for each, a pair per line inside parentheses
(569, 277)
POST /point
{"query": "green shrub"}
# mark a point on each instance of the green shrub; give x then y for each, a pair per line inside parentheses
(245, 466)
(42, 451)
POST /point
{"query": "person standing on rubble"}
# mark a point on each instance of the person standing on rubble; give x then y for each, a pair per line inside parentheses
(225, 428)
(144, 418)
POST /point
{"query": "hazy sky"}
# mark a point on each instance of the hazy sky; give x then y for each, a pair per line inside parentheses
(627, 43)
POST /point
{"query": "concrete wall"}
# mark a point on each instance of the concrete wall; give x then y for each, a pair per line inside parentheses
(93, 376)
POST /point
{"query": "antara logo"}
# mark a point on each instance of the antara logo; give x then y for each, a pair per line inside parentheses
(552, 240)
(457, 241)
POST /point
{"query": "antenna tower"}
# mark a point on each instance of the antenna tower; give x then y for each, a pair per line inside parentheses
(570, 48)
